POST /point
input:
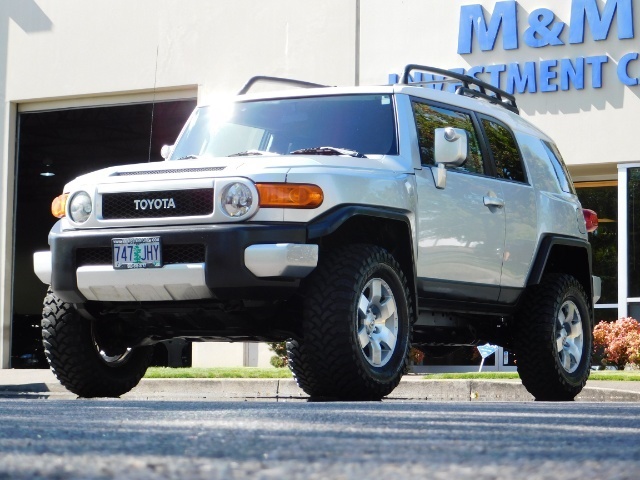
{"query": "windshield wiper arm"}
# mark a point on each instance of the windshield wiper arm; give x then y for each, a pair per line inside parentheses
(250, 152)
(328, 151)
(189, 157)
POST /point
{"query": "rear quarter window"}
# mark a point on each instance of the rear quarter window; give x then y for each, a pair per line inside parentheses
(559, 168)
(539, 167)
(504, 151)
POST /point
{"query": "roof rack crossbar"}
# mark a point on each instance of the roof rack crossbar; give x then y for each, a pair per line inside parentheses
(499, 97)
(263, 78)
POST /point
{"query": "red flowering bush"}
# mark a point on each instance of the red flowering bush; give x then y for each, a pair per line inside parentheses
(617, 343)
(416, 356)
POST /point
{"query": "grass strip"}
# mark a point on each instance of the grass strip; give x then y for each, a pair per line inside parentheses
(253, 372)
(218, 372)
(612, 375)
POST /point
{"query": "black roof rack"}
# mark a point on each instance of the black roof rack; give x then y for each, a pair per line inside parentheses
(499, 97)
(263, 78)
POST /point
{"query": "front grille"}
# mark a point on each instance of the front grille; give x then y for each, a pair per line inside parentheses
(171, 254)
(167, 203)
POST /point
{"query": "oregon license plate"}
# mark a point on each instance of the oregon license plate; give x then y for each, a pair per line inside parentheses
(138, 252)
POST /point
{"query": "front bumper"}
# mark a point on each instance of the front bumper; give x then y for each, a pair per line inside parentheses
(240, 261)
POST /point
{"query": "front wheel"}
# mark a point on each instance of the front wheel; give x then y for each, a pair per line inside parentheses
(553, 339)
(78, 358)
(357, 325)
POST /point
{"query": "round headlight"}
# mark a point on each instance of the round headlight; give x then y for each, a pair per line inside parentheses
(80, 207)
(236, 200)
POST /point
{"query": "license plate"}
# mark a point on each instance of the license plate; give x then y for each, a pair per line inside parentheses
(138, 252)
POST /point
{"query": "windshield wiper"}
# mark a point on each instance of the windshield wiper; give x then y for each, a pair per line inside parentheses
(189, 157)
(328, 151)
(251, 152)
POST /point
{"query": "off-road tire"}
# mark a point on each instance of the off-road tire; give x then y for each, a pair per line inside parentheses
(298, 363)
(75, 359)
(332, 362)
(546, 368)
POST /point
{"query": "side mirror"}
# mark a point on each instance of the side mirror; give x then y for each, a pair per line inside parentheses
(451, 146)
(165, 151)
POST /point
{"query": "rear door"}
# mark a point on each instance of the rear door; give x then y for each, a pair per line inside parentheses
(519, 206)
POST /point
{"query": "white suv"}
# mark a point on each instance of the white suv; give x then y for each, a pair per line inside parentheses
(351, 222)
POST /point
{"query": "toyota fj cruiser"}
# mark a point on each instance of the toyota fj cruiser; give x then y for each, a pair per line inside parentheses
(350, 222)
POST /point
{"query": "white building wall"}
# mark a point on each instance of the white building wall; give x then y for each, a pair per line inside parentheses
(220, 354)
(591, 126)
(72, 48)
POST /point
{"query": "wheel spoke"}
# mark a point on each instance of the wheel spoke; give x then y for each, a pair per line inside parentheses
(376, 351)
(376, 291)
(559, 343)
(576, 329)
(363, 337)
(363, 306)
(565, 359)
(385, 336)
(573, 351)
(387, 310)
(571, 312)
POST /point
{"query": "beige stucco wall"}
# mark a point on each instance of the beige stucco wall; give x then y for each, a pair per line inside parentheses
(62, 53)
(57, 53)
(231, 355)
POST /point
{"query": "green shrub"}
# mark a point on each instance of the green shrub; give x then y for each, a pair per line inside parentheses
(279, 360)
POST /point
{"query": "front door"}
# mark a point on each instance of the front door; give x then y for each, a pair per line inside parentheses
(461, 227)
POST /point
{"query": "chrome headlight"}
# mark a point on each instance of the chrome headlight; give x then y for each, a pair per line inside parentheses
(237, 200)
(80, 207)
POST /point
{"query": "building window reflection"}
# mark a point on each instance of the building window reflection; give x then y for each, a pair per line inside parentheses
(602, 197)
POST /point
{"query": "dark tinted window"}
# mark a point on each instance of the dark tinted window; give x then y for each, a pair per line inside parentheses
(429, 117)
(364, 123)
(505, 151)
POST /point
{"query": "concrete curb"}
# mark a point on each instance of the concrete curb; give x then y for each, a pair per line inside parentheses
(413, 389)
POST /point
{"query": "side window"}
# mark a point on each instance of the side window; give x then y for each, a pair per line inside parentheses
(504, 150)
(559, 167)
(429, 117)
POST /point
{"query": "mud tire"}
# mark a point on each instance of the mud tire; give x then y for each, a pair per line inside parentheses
(553, 339)
(75, 358)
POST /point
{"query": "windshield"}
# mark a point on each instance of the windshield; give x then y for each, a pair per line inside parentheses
(360, 123)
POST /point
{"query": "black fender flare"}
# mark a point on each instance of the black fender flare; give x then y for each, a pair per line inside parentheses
(333, 219)
(543, 255)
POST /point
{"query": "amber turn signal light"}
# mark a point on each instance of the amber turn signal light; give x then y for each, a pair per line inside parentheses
(59, 205)
(288, 195)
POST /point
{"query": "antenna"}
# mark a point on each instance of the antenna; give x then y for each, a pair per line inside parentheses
(153, 103)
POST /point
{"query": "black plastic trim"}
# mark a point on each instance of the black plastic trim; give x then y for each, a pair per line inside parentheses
(225, 272)
(544, 250)
(329, 222)
(462, 297)
(289, 81)
(499, 97)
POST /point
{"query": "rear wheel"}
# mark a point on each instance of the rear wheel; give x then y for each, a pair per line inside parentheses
(356, 326)
(81, 358)
(553, 339)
